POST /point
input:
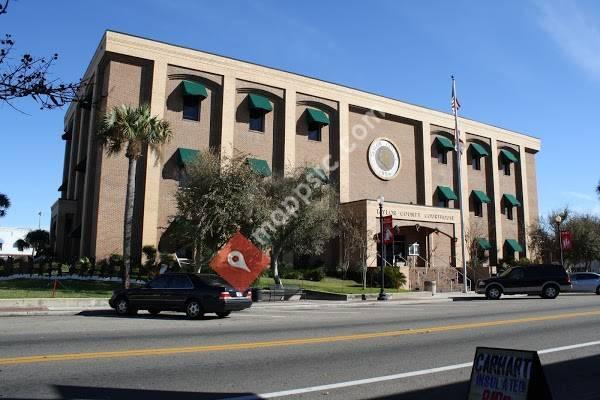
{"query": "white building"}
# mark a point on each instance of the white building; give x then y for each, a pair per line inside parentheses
(8, 237)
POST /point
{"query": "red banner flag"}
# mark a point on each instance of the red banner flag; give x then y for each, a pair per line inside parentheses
(566, 240)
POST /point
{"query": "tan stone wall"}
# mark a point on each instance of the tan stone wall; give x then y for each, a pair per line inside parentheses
(363, 183)
(267, 145)
(197, 135)
(532, 188)
(509, 185)
(311, 152)
(123, 87)
(443, 174)
(479, 180)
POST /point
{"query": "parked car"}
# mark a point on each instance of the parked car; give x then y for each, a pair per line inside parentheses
(586, 282)
(546, 280)
(194, 294)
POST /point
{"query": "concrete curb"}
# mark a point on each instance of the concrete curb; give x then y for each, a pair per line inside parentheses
(73, 306)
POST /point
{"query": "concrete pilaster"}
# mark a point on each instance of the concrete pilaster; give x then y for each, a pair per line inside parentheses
(289, 155)
(427, 163)
(228, 117)
(345, 150)
(525, 194)
(497, 196)
(153, 163)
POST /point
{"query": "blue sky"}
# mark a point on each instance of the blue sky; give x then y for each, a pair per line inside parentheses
(528, 66)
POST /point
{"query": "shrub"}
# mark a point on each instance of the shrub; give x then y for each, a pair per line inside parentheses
(314, 275)
(393, 278)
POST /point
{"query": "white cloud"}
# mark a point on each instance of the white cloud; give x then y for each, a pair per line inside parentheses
(574, 30)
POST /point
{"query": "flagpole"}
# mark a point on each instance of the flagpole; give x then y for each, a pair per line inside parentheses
(459, 170)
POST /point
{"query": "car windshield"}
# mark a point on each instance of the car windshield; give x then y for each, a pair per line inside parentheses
(506, 273)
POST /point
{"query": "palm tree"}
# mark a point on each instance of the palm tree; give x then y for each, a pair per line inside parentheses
(132, 127)
(21, 245)
(4, 204)
(37, 239)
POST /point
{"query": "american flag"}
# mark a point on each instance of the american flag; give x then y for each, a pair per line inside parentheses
(455, 104)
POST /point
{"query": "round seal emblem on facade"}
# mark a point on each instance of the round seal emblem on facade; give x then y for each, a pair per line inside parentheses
(384, 158)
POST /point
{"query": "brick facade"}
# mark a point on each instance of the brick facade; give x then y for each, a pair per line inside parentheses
(131, 70)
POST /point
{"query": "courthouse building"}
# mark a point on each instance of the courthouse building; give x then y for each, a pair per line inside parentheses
(373, 146)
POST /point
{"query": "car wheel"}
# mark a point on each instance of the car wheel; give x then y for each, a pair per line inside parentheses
(193, 309)
(122, 306)
(493, 293)
(598, 290)
(153, 311)
(223, 314)
(550, 292)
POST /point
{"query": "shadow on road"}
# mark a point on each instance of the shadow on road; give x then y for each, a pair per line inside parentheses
(572, 379)
(503, 298)
(165, 316)
(96, 393)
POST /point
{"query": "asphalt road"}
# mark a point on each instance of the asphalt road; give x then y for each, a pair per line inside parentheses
(362, 350)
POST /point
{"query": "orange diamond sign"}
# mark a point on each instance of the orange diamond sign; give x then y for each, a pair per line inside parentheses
(239, 262)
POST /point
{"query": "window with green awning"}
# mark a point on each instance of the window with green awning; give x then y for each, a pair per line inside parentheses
(478, 150)
(508, 156)
(259, 103)
(512, 200)
(484, 243)
(317, 117)
(261, 167)
(191, 88)
(317, 173)
(481, 196)
(446, 193)
(513, 245)
(443, 143)
(186, 156)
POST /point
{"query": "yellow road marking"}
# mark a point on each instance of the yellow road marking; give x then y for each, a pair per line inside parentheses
(285, 342)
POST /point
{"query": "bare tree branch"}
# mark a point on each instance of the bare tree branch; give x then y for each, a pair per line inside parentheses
(29, 76)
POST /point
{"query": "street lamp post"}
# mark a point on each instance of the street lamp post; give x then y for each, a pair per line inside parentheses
(382, 294)
(558, 220)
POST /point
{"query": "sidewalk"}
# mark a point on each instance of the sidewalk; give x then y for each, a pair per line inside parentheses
(73, 306)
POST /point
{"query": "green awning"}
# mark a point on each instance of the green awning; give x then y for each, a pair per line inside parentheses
(258, 102)
(478, 150)
(261, 167)
(191, 88)
(484, 243)
(512, 200)
(318, 117)
(509, 156)
(317, 173)
(445, 193)
(513, 245)
(186, 156)
(482, 197)
(443, 143)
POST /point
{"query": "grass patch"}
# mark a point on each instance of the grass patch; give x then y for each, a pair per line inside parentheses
(332, 285)
(34, 288)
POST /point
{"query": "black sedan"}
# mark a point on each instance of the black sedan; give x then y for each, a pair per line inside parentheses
(194, 294)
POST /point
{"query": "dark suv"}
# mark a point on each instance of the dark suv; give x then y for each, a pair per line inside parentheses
(546, 280)
(194, 294)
